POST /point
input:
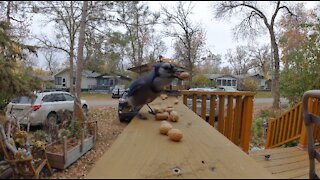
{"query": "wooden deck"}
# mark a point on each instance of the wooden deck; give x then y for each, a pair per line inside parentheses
(141, 152)
(285, 163)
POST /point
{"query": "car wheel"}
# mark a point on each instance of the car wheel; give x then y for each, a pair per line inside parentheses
(85, 110)
(52, 121)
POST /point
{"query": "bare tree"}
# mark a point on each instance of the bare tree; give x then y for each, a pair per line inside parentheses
(251, 25)
(18, 14)
(65, 15)
(138, 21)
(51, 63)
(239, 60)
(210, 63)
(190, 38)
(261, 59)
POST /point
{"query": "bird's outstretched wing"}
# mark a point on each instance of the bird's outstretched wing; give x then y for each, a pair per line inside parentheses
(136, 86)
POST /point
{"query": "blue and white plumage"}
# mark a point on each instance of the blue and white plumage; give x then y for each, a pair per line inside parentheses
(148, 87)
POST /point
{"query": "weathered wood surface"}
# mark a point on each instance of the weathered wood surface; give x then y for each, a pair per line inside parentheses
(285, 163)
(142, 152)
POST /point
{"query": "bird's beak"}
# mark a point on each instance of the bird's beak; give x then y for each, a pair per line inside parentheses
(177, 72)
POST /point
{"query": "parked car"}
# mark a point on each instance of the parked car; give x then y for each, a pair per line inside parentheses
(118, 91)
(45, 107)
(199, 102)
(227, 89)
(125, 115)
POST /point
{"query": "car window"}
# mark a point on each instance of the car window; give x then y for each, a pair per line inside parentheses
(59, 97)
(68, 97)
(23, 100)
(48, 98)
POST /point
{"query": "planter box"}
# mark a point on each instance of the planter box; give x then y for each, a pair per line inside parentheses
(64, 160)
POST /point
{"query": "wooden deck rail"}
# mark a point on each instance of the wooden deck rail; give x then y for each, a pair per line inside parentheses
(141, 152)
(289, 126)
(235, 111)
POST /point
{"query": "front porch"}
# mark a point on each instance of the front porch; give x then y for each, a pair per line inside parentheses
(285, 163)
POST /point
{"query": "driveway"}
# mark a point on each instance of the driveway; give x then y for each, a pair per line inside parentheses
(269, 101)
(103, 102)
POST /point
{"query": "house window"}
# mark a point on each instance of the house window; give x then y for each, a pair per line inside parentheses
(57, 80)
(111, 82)
(234, 83)
(105, 82)
(219, 82)
(229, 82)
(224, 82)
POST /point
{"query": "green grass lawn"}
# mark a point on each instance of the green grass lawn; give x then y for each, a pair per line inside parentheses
(263, 94)
(87, 95)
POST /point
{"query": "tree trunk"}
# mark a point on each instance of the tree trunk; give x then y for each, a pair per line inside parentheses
(71, 68)
(8, 11)
(276, 73)
(77, 103)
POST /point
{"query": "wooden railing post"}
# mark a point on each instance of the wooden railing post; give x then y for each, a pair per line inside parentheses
(269, 133)
(212, 110)
(185, 100)
(303, 143)
(234, 119)
(246, 123)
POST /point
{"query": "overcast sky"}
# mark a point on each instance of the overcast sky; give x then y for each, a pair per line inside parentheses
(219, 33)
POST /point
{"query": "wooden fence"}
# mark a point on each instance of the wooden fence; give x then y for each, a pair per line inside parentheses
(289, 126)
(235, 110)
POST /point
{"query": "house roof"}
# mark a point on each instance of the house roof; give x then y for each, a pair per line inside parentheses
(86, 73)
(148, 66)
(214, 76)
(42, 77)
(89, 73)
(105, 75)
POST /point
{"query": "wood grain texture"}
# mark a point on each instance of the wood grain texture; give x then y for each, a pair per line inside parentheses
(142, 152)
(286, 163)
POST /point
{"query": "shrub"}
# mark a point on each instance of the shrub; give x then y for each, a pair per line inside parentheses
(249, 84)
(201, 80)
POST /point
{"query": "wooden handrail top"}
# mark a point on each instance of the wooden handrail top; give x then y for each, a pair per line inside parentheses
(141, 152)
(237, 93)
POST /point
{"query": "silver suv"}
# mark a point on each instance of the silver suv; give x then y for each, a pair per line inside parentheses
(45, 107)
(118, 91)
(199, 100)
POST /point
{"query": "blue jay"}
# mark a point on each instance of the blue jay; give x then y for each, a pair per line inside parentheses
(148, 87)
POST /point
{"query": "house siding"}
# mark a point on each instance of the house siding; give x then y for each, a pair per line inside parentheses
(65, 84)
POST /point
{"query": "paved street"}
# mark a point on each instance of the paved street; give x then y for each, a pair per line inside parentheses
(114, 102)
(269, 101)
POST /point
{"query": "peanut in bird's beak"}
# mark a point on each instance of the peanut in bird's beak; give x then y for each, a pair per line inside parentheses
(177, 73)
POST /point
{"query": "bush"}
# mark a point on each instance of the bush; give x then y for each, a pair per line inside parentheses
(201, 80)
(266, 113)
(257, 127)
(249, 84)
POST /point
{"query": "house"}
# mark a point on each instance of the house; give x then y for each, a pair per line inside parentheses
(225, 80)
(108, 81)
(176, 84)
(263, 82)
(90, 80)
